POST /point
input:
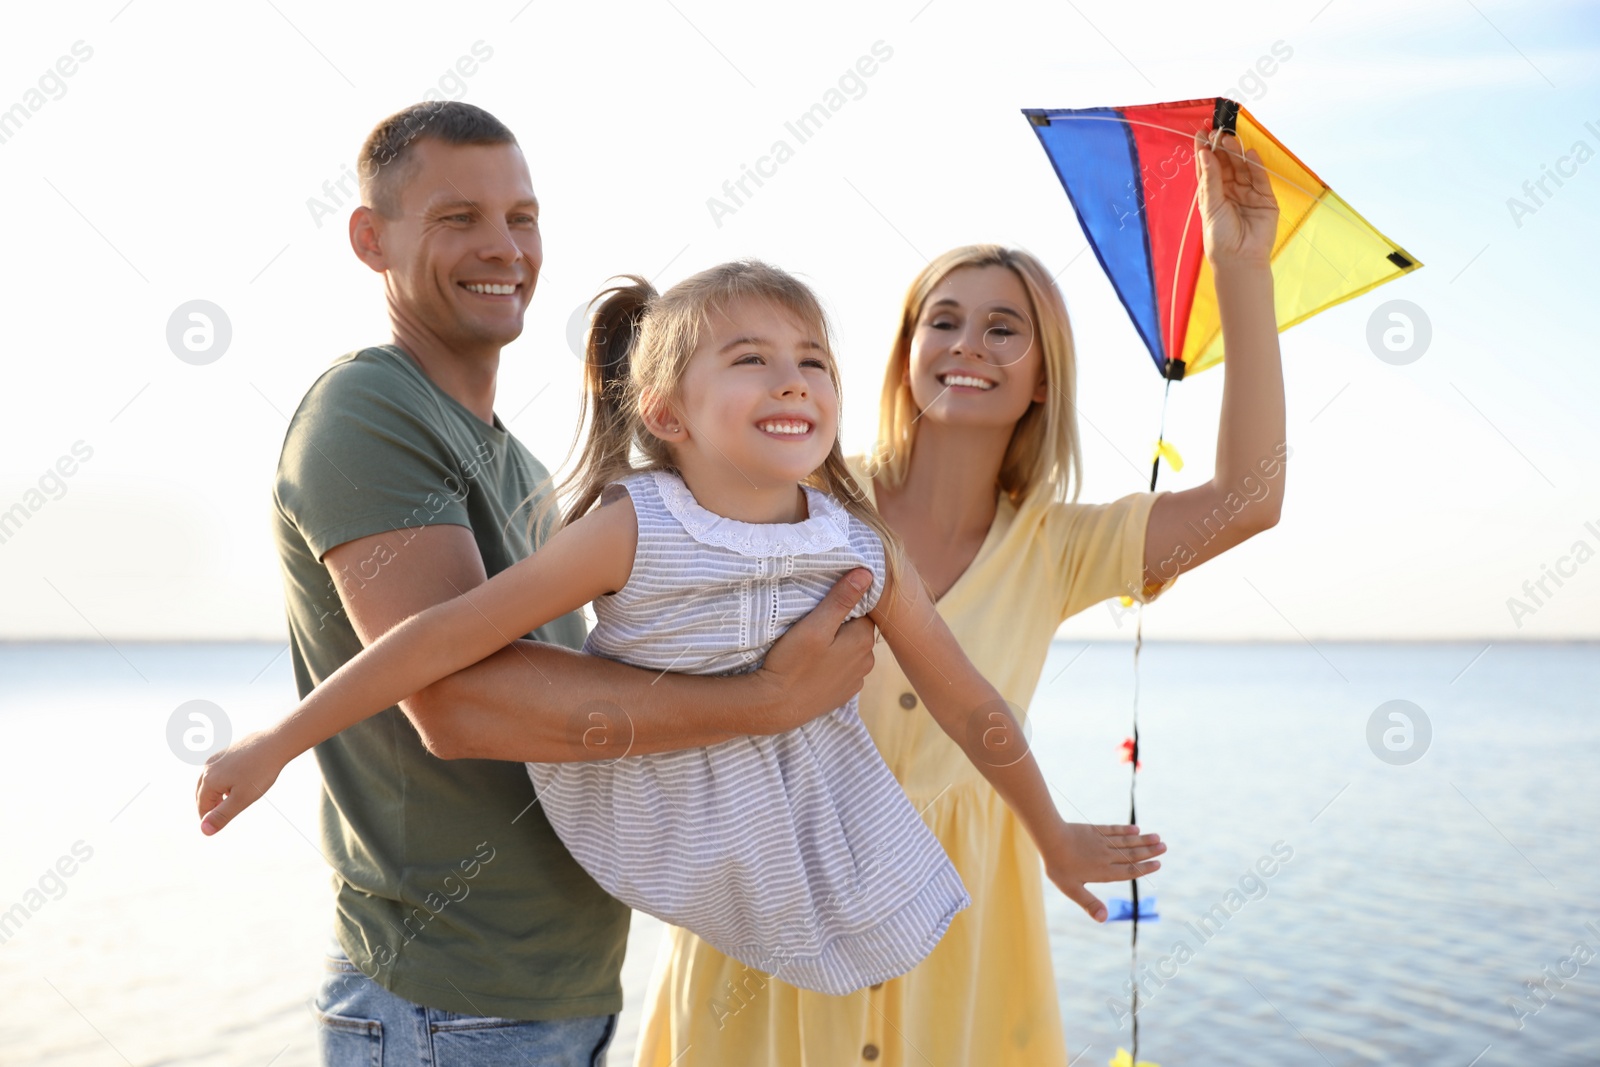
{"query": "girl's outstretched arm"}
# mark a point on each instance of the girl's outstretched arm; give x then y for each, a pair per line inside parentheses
(1245, 494)
(978, 719)
(587, 559)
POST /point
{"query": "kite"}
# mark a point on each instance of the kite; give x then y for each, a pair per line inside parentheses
(1130, 174)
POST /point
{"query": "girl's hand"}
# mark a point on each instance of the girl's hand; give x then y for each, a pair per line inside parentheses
(1080, 852)
(1236, 202)
(235, 778)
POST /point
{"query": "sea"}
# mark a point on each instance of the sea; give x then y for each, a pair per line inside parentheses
(1379, 854)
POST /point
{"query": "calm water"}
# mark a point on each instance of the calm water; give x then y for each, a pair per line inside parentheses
(1417, 900)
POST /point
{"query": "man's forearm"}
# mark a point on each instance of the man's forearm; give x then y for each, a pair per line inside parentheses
(543, 703)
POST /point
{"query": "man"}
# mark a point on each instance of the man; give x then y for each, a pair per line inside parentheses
(466, 932)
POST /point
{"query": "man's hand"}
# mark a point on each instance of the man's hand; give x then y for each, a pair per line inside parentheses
(820, 662)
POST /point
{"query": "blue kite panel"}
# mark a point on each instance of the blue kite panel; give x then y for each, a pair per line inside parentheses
(1093, 154)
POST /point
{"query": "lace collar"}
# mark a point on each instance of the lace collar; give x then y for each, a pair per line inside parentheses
(827, 525)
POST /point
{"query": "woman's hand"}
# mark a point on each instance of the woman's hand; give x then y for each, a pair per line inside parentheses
(235, 778)
(1079, 852)
(1236, 203)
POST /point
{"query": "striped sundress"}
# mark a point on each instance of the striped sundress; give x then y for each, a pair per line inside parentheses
(796, 853)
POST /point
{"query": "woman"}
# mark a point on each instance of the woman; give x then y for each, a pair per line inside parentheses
(977, 458)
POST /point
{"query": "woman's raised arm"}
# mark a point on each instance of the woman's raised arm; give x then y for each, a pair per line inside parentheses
(1245, 494)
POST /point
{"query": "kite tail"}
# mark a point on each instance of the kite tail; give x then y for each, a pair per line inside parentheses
(1133, 819)
(1161, 436)
(1133, 777)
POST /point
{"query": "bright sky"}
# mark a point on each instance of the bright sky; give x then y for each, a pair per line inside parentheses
(176, 160)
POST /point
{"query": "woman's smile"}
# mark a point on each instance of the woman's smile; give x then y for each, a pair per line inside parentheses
(964, 381)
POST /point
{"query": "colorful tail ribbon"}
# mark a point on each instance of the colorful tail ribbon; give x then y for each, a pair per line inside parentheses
(1123, 910)
(1123, 1059)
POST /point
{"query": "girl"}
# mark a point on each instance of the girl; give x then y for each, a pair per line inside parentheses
(976, 464)
(797, 853)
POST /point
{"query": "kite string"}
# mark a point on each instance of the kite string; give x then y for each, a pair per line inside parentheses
(1133, 778)
(1133, 818)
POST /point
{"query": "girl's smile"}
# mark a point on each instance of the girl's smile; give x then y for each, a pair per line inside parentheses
(787, 428)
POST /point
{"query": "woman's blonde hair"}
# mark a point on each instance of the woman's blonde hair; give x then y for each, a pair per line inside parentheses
(1043, 455)
(638, 350)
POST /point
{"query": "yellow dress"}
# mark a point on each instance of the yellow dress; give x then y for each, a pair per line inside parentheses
(986, 995)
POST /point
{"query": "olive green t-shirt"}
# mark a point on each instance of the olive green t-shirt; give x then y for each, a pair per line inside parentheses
(452, 889)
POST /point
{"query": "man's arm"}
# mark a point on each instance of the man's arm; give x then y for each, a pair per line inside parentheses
(546, 704)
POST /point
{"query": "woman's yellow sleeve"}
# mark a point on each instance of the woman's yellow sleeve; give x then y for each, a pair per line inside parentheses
(1099, 551)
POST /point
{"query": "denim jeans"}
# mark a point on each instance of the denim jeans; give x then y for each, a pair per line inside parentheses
(362, 1024)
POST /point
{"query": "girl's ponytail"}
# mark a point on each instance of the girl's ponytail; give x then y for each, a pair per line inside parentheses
(609, 402)
(608, 393)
